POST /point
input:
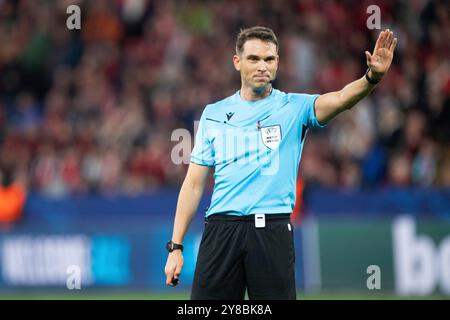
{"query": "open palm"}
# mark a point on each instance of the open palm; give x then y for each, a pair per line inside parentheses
(381, 58)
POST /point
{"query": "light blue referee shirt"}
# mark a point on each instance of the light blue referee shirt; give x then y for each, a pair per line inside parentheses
(255, 149)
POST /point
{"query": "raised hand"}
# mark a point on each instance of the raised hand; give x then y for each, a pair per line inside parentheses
(381, 58)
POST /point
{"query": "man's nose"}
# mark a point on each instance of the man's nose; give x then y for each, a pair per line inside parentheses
(262, 66)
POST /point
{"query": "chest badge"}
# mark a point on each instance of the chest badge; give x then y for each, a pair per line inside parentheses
(271, 136)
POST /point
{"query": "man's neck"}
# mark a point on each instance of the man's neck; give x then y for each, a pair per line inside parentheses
(250, 94)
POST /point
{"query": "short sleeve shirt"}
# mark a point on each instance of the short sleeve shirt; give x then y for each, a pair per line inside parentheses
(255, 148)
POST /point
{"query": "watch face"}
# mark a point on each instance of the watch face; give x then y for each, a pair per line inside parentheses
(173, 246)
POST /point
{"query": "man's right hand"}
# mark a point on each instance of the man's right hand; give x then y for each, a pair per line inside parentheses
(174, 265)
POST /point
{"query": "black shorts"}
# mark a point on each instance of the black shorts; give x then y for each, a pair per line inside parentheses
(234, 256)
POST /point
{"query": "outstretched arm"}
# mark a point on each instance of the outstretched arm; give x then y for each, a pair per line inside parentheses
(329, 105)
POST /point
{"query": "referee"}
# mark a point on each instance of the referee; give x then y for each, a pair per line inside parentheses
(253, 140)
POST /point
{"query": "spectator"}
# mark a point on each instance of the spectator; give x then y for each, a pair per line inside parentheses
(12, 198)
(94, 110)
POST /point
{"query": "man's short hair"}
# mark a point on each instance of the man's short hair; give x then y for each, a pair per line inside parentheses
(258, 32)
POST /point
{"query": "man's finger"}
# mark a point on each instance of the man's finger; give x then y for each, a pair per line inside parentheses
(169, 276)
(393, 44)
(368, 56)
(384, 42)
(390, 39)
(378, 43)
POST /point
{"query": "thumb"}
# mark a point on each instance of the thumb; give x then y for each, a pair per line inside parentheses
(368, 56)
(178, 271)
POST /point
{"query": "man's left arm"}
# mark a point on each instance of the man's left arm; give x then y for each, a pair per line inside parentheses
(329, 105)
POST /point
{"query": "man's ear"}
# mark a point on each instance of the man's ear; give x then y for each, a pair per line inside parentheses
(237, 62)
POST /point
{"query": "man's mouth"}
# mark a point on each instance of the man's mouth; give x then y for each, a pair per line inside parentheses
(262, 77)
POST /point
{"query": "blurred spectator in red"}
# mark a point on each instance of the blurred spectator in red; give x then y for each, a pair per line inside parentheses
(102, 23)
(81, 109)
(12, 198)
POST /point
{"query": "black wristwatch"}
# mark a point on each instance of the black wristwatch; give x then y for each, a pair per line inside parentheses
(170, 246)
(371, 81)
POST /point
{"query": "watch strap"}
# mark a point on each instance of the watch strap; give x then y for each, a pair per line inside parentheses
(371, 81)
(171, 246)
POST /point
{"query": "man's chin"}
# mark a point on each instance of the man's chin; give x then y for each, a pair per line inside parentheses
(260, 86)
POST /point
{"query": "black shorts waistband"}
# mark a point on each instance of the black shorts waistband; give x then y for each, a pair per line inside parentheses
(250, 217)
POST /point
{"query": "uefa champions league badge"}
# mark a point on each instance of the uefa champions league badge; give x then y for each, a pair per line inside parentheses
(271, 136)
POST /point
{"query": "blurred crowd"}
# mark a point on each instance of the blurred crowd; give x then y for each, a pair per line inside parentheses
(93, 110)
